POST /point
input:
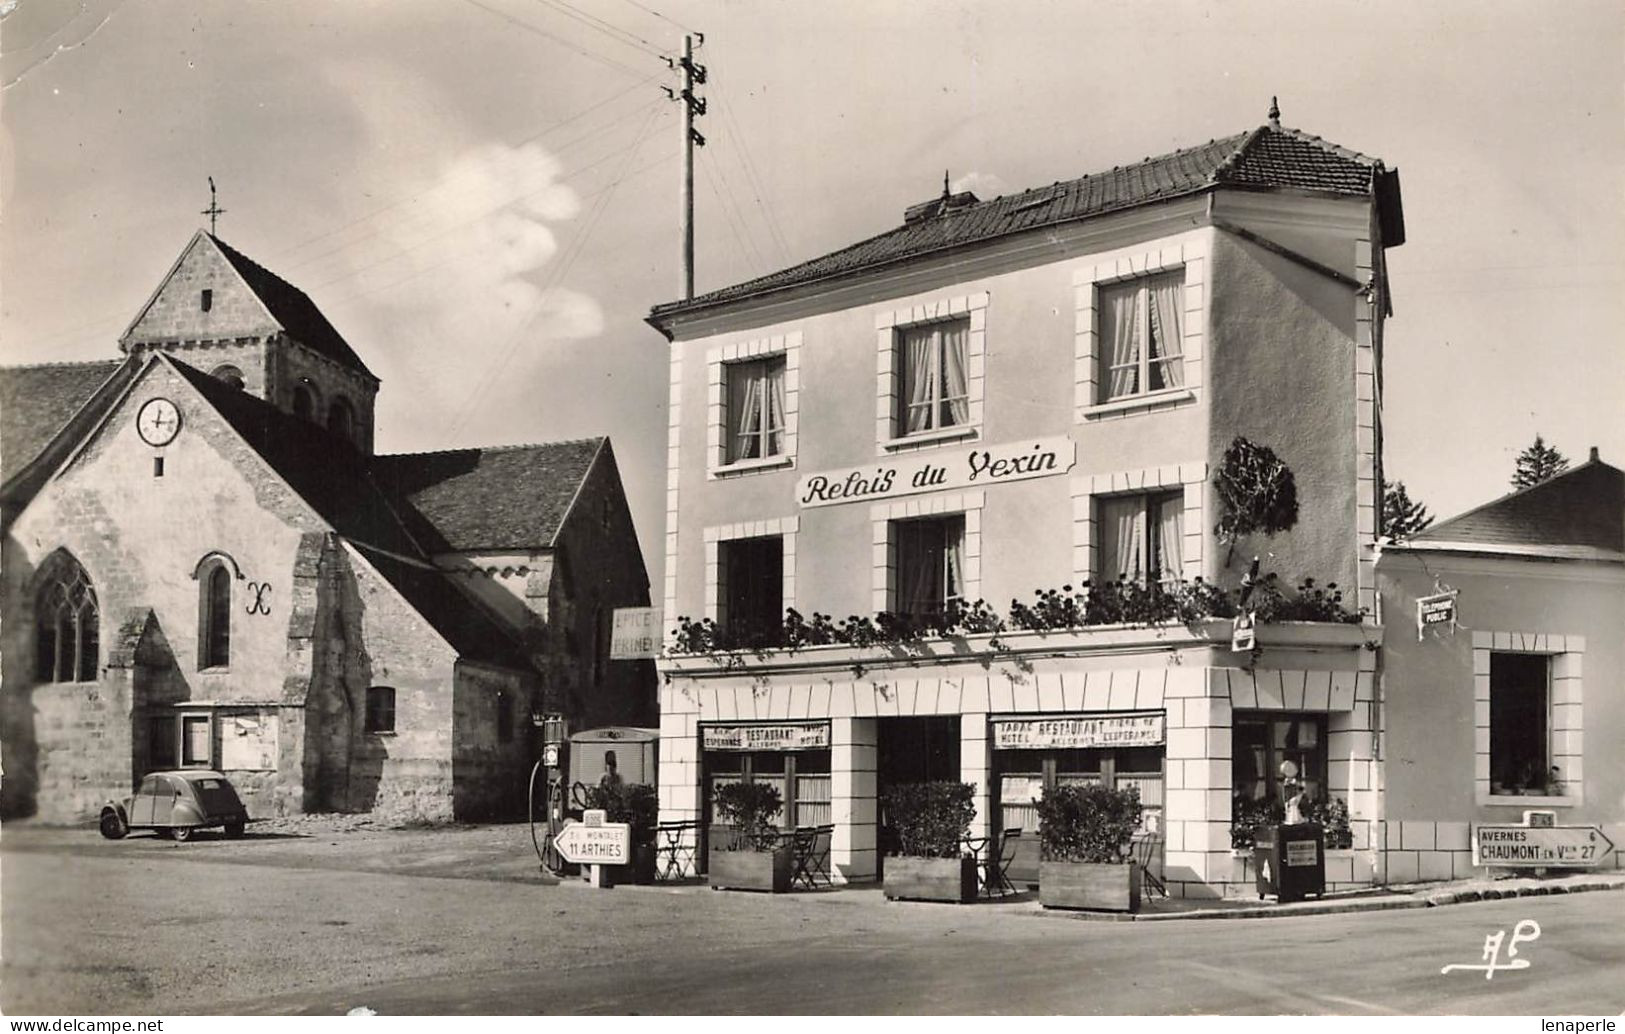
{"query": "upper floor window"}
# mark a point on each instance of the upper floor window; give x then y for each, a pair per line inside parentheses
(1141, 334)
(214, 618)
(751, 589)
(67, 643)
(935, 385)
(1142, 537)
(380, 716)
(229, 375)
(928, 556)
(341, 418)
(755, 409)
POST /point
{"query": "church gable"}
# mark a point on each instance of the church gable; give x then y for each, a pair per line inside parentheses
(204, 298)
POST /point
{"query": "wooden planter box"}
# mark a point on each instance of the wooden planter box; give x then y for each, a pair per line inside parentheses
(1089, 885)
(931, 879)
(750, 869)
(642, 869)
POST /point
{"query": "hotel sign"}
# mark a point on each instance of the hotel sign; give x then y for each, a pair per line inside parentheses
(1117, 730)
(778, 736)
(935, 471)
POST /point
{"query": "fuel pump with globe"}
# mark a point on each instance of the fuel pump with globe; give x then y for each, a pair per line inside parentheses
(555, 762)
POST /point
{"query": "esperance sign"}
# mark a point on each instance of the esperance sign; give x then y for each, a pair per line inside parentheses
(1123, 730)
(781, 736)
(933, 471)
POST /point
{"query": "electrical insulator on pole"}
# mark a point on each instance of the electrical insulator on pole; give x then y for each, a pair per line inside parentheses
(693, 107)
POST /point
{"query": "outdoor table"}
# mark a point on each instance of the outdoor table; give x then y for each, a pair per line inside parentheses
(977, 846)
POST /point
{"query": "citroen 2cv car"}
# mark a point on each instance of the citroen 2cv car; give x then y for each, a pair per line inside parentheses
(176, 803)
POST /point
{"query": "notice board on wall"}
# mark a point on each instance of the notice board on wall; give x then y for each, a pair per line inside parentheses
(248, 741)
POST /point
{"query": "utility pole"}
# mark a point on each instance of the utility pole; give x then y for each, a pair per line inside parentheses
(693, 75)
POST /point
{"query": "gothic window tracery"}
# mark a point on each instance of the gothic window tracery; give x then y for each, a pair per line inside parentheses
(68, 625)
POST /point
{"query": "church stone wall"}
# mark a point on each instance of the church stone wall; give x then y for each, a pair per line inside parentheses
(177, 313)
(295, 364)
(488, 772)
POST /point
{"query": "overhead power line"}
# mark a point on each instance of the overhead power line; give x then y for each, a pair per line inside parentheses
(657, 14)
(613, 31)
(608, 62)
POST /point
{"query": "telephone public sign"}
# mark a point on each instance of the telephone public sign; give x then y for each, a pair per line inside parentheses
(1557, 847)
(608, 844)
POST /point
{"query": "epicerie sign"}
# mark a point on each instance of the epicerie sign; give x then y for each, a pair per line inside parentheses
(793, 736)
(938, 471)
(1128, 730)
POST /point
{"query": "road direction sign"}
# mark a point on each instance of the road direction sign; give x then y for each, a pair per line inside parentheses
(609, 844)
(1556, 847)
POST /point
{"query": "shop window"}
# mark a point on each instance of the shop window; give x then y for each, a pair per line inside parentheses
(380, 716)
(755, 409)
(214, 617)
(802, 779)
(928, 558)
(935, 386)
(1141, 336)
(1268, 749)
(751, 589)
(196, 736)
(1520, 726)
(67, 629)
(1141, 537)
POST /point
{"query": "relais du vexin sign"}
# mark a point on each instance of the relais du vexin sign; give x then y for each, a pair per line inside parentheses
(936, 471)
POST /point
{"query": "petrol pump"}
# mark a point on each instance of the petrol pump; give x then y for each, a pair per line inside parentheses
(555, 762)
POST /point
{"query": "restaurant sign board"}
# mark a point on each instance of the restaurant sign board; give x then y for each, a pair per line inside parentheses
(937, 471)
(777, 736)
(1114, 730)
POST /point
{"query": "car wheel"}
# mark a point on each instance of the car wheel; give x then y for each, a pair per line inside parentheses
(112, 826)
(234, 830)
(181, 833)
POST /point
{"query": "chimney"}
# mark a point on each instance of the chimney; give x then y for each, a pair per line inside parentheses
(947, 202)
(1275, 114)
(1594, 456)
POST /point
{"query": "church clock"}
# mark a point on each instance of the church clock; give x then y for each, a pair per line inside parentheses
(158, 422)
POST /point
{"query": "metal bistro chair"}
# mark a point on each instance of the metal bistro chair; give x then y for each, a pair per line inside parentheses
(1145, 848)
(677, 850)
(996, 879)
(812, 856)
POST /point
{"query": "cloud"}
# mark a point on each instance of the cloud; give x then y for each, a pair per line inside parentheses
(984, 185)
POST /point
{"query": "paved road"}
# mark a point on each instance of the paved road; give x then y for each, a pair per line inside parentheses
(146, 928)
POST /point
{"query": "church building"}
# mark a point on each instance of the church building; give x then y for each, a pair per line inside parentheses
(207, 564)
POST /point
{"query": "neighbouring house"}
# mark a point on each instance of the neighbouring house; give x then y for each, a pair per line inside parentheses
(1033, 392)
(206, 564)
(1518, 702)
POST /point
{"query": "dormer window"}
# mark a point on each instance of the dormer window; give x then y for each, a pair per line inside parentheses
(206, 301)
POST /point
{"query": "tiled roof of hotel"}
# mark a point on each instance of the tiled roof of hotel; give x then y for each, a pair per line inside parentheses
(293, 309)
(1266, 157)
(1581, 510)
(37, 402)
(514, 496)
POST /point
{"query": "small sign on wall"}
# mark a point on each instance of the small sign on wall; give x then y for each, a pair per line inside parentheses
(1437, 612)
(635, 635)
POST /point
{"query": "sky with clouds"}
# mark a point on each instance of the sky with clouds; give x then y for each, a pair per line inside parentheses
(482, 194)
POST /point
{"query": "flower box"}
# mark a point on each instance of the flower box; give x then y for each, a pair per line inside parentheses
(1096, 886)
(749, 868)
(930, 879)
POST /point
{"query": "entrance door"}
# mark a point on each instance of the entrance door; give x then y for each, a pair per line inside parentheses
(913, 750)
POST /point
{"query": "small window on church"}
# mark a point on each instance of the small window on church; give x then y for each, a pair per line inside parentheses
(341, 418)
(214, 618)
(207, 300)
(380, 714)
(304, 403)
(228, 374)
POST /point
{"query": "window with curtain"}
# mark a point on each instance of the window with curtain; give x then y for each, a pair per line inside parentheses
(751, 589)
(1142, 537)
(928, 556)
(1263, 745)
(214, 618)
(935, 390)
(67, 631)
(755, 417)
(1142, 326)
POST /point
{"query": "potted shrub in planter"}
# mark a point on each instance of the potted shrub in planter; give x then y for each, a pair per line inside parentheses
(1084, 834)
(930, 822)
(637, 805)
(745, 851)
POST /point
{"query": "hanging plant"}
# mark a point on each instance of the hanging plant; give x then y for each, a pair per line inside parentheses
(1257, 494)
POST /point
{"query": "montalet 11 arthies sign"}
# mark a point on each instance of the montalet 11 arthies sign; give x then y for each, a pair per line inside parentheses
(935, 471)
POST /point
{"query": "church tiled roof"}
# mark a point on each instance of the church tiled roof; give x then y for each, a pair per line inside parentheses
(293, 309)
(37, 402)
(1580, 512)
(1266, 157)
(510, 497)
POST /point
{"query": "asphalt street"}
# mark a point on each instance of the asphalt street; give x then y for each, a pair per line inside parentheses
(269, 926)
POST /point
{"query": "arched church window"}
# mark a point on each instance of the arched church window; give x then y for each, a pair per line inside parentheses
(228, 374)
(68, 619)
(341, 418)
(304, 402)
(214, 617)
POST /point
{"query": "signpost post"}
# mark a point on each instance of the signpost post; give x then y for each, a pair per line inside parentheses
(1540, 847)
(597, 846)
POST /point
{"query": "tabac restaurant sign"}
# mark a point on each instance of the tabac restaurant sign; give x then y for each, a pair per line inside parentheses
(1115, 730)
(934, 471)
(778, 736)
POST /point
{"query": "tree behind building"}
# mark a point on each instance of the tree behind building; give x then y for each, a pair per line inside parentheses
(1538, 463)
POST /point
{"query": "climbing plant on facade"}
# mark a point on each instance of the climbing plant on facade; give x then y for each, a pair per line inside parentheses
(1257, 494)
